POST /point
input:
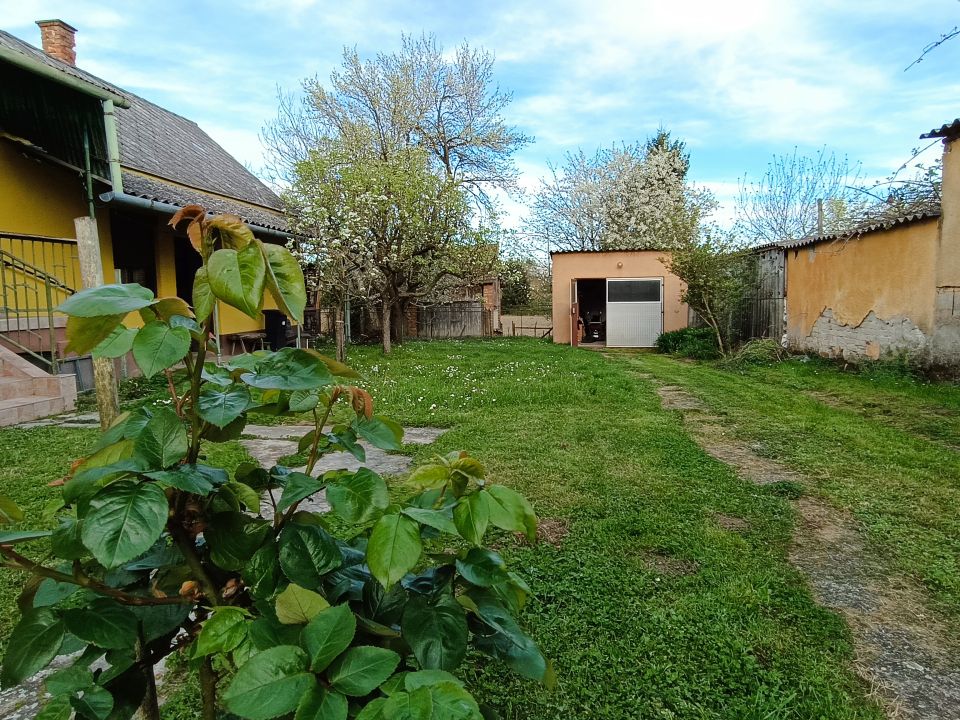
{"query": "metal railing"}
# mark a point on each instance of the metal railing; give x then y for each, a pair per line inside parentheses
(36, 275)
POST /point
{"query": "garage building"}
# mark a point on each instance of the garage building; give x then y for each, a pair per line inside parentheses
(617, 298)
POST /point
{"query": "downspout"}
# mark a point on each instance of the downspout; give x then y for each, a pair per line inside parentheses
(88, 175)
(113, 145)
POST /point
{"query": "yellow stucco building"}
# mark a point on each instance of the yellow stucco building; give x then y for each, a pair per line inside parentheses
(73, 145)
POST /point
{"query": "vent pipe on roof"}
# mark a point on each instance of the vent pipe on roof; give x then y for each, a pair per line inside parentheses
(57, 40)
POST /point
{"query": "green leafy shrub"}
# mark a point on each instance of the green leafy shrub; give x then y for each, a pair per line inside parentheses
(691, 342)
(281, 611)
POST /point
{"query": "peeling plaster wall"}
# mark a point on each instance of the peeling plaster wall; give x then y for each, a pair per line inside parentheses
(870, 340)
(867, 297)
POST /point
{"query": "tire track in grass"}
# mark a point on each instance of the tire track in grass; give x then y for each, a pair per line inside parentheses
(902, 650)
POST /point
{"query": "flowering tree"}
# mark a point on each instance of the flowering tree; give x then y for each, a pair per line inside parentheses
(386, 226)
(631, 197)
(393, 164)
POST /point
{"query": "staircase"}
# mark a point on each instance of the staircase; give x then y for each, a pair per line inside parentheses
(34, 276)
(28, 393)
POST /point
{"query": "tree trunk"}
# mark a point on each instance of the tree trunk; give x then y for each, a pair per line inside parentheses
(208, 691)
(385, 314)
(399, 324)
(339, 333)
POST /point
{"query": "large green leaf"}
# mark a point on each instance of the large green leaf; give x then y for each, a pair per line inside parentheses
(262, 573)
(436, 630)
(452, 702)
(289, 369)
(358, 497)
(13, 537)
(322, 704)
(328, 634)
(499, 636)
(196, 479)
(59, 708)
(403, 705)
(234, 538)
(31, 646)
(221, 407)
(158, 346)
(510, 510)
(437, 519)
(223, 631)
(163, 440)
(237, 277)
(394, 548)
(297, 605)
(86, 333)
(94, 704)
(482, 567)
(270, 684)
(361, 669)
(381, 432)
(296, 487)
(104, 623)
(10, 512)
(203, 299)
(117, 344)
(307, 553)
(471, 517)
(233, 232)
(285, 280)
(107, 300)
(124, 520)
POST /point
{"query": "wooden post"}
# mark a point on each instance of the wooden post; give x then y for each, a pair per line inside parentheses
(91, 274)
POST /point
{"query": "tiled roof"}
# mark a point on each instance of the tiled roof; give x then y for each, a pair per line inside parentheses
(169, 147)
(873, 227)
(950, 130)
(156, 189)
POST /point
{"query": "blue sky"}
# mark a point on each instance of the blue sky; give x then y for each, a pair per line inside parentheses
(739, 81)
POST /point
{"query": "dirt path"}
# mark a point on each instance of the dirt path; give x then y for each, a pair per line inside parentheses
(906, 655)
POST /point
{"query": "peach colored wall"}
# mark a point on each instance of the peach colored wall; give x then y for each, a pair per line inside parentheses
(635, 264)
(833, 287)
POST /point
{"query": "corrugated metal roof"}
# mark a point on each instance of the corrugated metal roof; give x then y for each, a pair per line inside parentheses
(601, 252)
(873, 227)
(166, 145)
(950, 130)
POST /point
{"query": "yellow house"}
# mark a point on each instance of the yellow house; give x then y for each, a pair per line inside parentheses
(73, 145)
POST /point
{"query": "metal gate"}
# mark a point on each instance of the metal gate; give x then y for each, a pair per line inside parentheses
(634, 311)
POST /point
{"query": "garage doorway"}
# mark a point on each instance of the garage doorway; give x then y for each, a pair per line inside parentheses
(634, 311)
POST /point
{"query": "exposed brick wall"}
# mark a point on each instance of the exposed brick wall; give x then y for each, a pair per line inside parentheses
(57, 40)
(410, 330)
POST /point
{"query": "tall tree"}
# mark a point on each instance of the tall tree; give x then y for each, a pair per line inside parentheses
(426, 130)
(783, 203)
(628, 197)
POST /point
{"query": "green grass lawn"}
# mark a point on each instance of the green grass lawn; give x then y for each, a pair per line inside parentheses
(647, 607)
(883, 447)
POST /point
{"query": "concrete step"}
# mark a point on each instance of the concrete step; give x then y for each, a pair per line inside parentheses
(18, 410)
(16, 387)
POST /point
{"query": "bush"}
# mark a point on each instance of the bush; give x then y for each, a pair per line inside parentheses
(367, 607)
(696, 343)
(763, 351)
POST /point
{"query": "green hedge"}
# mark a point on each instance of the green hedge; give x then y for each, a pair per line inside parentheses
(696, 343)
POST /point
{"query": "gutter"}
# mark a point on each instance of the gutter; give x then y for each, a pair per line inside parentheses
(139, 203)
(59, 76)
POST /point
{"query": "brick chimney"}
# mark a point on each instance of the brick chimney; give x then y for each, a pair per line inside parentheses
(57, 40)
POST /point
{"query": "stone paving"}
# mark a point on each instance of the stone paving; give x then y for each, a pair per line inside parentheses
(267, 443)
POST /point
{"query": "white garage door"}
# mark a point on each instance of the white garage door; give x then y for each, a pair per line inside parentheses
(634, 311)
